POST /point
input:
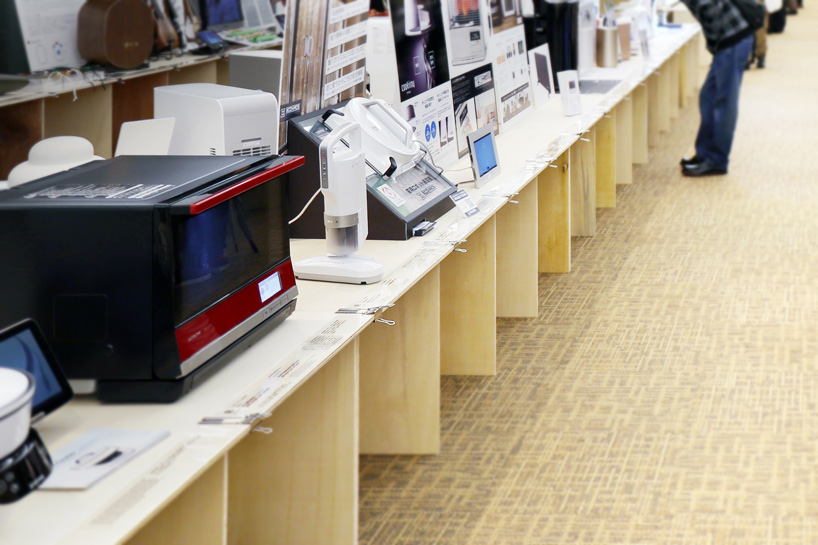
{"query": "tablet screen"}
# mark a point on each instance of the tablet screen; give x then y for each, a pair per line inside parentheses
(22, 347)
(484, 152)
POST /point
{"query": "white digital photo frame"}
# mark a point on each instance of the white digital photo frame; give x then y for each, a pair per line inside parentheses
(484, 159)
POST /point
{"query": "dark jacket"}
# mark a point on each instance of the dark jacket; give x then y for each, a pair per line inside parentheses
(722, 22)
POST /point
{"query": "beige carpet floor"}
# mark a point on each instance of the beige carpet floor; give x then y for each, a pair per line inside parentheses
(668, 391)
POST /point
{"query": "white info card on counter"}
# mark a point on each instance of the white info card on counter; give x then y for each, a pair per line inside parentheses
(96, 454)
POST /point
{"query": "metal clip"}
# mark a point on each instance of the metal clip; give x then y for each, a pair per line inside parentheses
(387, 322)
(367, 310)
(552, 165)
(585, 139)
(608, 116)
(513, 201)
(261, 429)
(461, 250)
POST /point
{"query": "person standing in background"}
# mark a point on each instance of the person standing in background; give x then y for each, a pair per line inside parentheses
(759, 55)
(729, 38)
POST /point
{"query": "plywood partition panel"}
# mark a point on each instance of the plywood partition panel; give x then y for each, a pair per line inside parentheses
(554, 217)
(468, 306)
(640, 124)
(606, 160)
(664, 97)
(90, 116)
(624, 141)
(673, 65)
(400, 375)
(205, 72)
(133, 100)
(583, 186)
(300, 483)
(197, 515)
(517, 254)
(684, 76)
(21, 126)
(653, 109)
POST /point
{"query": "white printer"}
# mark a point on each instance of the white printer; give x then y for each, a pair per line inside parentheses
(218, 120)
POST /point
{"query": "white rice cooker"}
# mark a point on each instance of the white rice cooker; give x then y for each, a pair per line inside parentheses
(24, 460)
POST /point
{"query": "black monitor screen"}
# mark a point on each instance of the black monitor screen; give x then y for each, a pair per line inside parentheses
(222, 13)
(22, 347)
(484, 150)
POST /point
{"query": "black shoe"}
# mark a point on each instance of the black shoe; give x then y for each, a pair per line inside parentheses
(692, 161)
(760, 62)
(704, 168)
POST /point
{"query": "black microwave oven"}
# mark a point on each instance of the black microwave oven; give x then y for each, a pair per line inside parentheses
(148, 274)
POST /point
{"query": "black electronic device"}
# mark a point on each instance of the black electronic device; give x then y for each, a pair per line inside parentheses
(396, 205)
(23, 347)
(212, 41)
(221, 14)
(149, 273)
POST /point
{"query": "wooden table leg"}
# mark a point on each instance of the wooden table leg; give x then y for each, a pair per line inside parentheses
(554, 217)
(400, 375)
(624, 141)
(664, 97)
(640, 124)
(300, 483)
(583, 186)
(517, 254)
(468, 306)
(606, 160)
(653, 109)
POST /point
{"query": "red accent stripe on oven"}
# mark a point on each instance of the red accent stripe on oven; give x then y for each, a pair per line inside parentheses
(212, 324)
(245, 185)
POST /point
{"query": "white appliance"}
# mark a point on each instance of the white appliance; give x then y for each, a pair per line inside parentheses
(466, 31)
(16, 393)
(218, 120)
(569, 92)
(388, 140)
(343, 184)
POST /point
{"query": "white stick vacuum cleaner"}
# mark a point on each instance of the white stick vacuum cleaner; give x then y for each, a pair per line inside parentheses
(343, 184)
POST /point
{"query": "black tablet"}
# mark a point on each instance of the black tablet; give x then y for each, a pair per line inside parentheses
(23, 347)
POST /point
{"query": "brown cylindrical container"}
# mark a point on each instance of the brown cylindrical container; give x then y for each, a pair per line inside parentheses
(606, 42)
(115, 32)
(624, 30)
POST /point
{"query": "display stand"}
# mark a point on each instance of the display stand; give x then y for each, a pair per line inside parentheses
(365, 387)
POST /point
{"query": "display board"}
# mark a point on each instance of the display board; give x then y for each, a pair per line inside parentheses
(423, 75)
(509, 59)
(323, 42)
(475, 104)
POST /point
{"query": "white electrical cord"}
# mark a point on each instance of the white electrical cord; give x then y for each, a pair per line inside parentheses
(305, 207)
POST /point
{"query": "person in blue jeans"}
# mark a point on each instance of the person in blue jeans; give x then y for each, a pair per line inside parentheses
(730, 40)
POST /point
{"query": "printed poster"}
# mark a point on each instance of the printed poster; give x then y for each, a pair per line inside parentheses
(324, 41)
(431, 116)
(467, 33)
(474, 104)
(510, 60)
(420, 46)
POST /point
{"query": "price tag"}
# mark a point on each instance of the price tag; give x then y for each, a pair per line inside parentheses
(464, 203)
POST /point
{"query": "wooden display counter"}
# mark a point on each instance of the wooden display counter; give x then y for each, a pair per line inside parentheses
(324, 387)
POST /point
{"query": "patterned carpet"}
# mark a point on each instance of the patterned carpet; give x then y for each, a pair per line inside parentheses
(668, 391)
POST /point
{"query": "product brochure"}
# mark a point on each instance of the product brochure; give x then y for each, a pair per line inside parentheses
(96, 454)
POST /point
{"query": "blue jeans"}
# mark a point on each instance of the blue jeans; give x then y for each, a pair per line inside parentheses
(718, 103)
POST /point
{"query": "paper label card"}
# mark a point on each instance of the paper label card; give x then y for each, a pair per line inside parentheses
(462, 200)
